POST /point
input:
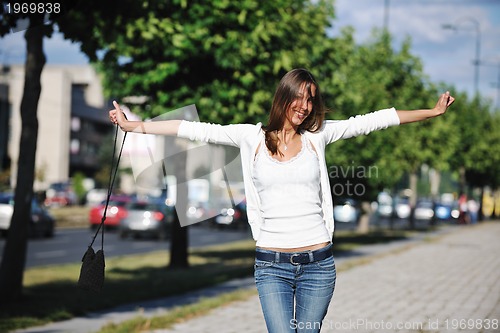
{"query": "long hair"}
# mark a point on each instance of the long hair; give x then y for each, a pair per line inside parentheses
(286, 93)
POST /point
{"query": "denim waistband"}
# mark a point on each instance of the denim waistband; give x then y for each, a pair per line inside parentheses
(294, 258)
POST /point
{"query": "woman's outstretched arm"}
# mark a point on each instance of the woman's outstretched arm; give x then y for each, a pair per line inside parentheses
(165, 127)
(445, 100)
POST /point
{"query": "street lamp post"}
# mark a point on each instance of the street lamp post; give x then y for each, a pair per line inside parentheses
(476, 62)
(496, 84)
(386, 15)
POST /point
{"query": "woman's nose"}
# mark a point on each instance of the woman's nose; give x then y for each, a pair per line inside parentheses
(303, 105)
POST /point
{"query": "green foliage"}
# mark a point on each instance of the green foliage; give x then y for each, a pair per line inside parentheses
(78, 187)
(482, 158)
(104, 155)
(4, 180)
(375, 76)
(227, 57)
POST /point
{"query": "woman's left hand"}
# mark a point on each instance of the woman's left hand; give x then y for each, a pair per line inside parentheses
(445, 100)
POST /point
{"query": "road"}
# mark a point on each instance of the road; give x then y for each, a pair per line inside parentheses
(69, 245)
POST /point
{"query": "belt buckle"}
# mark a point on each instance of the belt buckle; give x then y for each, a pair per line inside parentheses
(291, 259)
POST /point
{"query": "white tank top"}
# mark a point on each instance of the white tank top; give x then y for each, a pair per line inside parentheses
(290, 195)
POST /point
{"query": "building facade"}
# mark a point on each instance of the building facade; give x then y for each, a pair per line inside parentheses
(72, 120)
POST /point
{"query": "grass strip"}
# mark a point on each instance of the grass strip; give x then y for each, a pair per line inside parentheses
(178, 314)
(71, 217)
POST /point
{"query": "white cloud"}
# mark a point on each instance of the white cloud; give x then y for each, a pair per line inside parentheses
(447, 55)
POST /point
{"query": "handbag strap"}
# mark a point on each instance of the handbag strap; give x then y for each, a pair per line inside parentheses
(112, 177)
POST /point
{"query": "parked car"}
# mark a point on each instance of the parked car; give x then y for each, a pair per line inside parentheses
(147, 219)
(232, 217)
(446, 211)
(95, 196)
(42, 224)
(402, 208)
(346, 211)
(199, 211)
(424, 210)
(60, 195)
(115, 213)
(384, 205)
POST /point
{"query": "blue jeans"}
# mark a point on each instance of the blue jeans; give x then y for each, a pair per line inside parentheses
(295, 297)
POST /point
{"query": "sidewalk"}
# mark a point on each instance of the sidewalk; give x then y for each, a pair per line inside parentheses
(447, 284)
(442, 282)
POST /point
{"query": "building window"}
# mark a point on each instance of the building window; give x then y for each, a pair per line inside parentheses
(75, 124)
(74, 146)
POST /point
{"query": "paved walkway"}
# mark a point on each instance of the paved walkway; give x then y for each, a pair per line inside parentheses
(448, 284)
(445, 282)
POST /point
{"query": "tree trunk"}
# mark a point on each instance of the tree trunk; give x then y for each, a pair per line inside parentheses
(480, 215)
(435, 180)
(413, 198)
(14, 256)
(179, 244)
(179, 241)
(366, 216)
(462, 180)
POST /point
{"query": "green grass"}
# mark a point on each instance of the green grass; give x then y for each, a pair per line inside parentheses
(71, 217)
(178, 314)
(51, 293)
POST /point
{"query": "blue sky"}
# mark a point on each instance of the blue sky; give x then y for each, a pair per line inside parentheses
(447, 55)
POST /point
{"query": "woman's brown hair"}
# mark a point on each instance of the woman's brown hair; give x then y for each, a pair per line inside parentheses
(288, 91)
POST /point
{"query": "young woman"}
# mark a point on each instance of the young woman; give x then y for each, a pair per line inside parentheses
(289, 202)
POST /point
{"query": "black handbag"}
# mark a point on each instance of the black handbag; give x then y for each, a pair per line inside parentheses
(92, 271)
(93, 263)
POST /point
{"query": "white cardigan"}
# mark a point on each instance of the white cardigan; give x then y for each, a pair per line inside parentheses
(247, 137)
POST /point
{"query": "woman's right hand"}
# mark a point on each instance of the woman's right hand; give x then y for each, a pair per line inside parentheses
(164, 127)
(117, 116)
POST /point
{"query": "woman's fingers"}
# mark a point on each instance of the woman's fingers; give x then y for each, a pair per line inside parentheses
(116, 105)
(451, 99)
(116, 116)
(112, 116)
(446, 99)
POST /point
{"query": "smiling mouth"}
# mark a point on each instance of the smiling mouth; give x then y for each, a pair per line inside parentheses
(300, 115)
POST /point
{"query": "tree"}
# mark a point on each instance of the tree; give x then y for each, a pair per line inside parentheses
(483, 165)
(225, 56)
(477, 159)
(211, 53)
(12, 266)
(375, 76)
(39, 21)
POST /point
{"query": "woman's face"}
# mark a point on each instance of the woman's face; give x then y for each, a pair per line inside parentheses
(301, 107)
